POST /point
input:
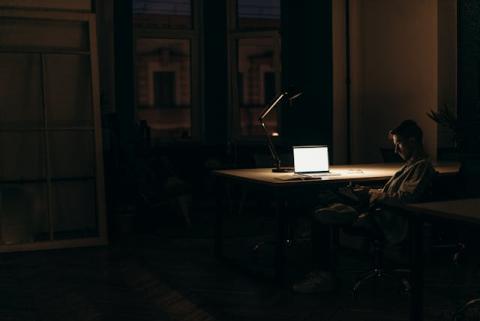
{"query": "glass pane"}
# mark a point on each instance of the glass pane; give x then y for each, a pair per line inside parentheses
(258, 14)
(72, 154)
(20, 74)
(22, 156)
(256, 84)
(163, 84)
(170, 14)
(68, 86)
(74, 214)
(23, 213)
(47, 34)
(71, 5)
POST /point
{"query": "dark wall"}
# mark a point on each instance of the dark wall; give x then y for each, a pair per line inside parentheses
(215, 82)
(469, 72)
(124, 77)
(307, 64)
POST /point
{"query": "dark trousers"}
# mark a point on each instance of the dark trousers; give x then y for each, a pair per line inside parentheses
(324, 243)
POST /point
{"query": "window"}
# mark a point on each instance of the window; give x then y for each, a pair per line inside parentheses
(269, 86)
(164, 89)
(51, 169)
(166, 60)
(170, 14)
(258, 14)
(254, 49)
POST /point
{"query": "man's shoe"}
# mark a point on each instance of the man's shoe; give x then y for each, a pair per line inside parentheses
(336, 214)
(315, 282)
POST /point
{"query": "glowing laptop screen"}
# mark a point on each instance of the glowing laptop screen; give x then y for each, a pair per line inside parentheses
(310, 159)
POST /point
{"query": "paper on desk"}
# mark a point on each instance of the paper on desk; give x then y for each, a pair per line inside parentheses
(297, 178)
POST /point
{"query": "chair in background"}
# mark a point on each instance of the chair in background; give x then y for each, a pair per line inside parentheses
(375, 238)
(389, 155)
(469, 176)
(160, 189)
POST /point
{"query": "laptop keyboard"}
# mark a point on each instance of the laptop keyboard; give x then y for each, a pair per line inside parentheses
(322, 174)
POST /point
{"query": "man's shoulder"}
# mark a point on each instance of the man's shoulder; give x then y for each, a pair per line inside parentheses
(422, 161)
(423, 165)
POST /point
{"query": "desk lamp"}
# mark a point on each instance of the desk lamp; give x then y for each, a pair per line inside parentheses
(289, 94)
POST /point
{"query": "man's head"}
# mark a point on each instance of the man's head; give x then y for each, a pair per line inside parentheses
(408, 139)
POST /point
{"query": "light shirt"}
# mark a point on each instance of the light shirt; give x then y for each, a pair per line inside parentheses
(409, 184)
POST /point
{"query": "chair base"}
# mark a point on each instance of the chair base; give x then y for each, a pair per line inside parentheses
(460, 312)
(375, 275)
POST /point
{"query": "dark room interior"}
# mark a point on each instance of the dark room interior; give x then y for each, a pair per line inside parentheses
(173, 181)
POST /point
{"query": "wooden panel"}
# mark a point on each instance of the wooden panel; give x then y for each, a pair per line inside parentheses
(56, 53)
(19, 75)
(74, 5)
(17, 33)
(68, 88)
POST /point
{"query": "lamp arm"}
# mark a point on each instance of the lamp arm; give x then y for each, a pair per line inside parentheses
(269, 108)
(271, 147)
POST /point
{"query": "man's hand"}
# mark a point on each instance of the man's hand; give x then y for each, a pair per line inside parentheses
(375, 195)
(361, 191)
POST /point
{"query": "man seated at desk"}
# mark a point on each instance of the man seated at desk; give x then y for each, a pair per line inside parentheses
(408, 184)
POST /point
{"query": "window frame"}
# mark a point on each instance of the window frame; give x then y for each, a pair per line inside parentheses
(96, 130)
(193, 36)
(234, 35)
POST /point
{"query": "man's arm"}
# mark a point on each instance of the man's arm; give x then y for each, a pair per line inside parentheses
(414, 186)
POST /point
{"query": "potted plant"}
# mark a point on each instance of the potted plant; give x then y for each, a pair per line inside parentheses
(447, 118)
(466, 139)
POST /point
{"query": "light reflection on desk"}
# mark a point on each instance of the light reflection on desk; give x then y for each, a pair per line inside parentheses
(345, 173)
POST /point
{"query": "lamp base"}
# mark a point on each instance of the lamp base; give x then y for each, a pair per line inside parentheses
(282, 170)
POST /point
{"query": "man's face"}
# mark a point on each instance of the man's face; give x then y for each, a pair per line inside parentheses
(403, 147)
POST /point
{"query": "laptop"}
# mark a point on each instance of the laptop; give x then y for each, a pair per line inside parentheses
(311, 160)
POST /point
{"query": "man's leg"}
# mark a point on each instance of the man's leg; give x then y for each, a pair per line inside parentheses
(322, 246)
(325, 222)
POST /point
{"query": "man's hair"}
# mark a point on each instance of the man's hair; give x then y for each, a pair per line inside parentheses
(408, 129)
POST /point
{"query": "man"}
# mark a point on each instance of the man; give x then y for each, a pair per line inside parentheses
(408, 184)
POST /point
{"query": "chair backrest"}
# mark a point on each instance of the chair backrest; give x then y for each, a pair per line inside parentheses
(434, 190)
(469, 177)
(389, 156)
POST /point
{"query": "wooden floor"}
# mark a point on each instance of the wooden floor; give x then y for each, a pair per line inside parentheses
(169, 273)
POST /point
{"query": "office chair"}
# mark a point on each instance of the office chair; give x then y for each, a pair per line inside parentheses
(158, 189)
(375, 237)
(460, 313)
(377, 243)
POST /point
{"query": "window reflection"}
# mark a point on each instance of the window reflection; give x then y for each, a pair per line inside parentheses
(176, 14)
(256, 83)
(259, 14)
(163, 93)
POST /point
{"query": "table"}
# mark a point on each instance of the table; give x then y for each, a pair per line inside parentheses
(280, 187)
(463, 210)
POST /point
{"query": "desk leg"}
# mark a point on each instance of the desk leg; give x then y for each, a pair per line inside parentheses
(416, 298)
(281, 244)
(219, 211)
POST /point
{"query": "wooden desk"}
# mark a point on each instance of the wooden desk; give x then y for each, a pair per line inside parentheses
(280, 187)
(465, 210)
(346, 173)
